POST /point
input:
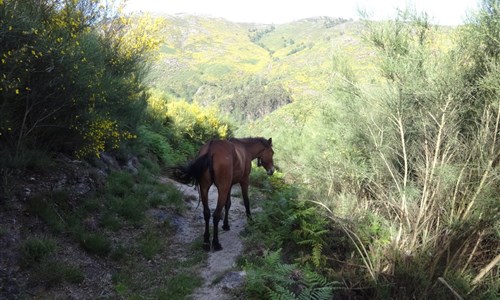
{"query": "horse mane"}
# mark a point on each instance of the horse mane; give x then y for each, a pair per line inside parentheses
(251, 140)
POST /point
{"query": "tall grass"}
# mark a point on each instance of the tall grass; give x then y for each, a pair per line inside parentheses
(405, 166)
(431, 174)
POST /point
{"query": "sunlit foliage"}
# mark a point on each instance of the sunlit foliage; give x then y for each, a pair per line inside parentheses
(406, 167)
(195, 122)
(174, 129)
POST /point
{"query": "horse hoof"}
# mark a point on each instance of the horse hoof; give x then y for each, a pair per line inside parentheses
(217, 247)
(226, 227)
(206, 246)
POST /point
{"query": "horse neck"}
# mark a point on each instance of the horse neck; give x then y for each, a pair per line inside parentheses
(255, 149)
(252, 146)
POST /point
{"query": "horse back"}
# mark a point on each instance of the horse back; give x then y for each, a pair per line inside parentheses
(228, 160)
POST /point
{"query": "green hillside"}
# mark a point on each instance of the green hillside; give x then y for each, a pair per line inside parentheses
(200, 51)
(209, 60)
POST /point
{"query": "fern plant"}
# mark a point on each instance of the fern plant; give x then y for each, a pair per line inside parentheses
(310, 231)
(270, 278)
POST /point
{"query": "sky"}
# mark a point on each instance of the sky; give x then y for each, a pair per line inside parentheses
(282, 11)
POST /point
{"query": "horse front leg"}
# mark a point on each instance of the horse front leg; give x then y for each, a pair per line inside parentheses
(225, 226)
(244, 192)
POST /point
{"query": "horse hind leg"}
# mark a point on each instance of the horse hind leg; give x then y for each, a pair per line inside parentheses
(215, 242)
(206, 215)
(225, 226)
(206, 235)
(221, 202)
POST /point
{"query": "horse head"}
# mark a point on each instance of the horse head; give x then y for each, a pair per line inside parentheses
(265, 158)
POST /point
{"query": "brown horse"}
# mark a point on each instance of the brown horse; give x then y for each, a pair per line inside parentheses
(225, 163)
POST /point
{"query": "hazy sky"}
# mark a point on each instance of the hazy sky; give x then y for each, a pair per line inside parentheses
(450, 12)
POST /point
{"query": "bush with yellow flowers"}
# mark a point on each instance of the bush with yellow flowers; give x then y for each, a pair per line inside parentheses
(71, 75)
(174, 129)
(100, 135)
(194, 122)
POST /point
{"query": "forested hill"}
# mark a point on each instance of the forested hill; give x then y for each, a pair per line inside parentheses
(209, 60)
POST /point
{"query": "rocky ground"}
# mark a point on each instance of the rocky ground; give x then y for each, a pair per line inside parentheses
(221, 277)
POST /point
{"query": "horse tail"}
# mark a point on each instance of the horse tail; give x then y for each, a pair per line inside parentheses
(192, 172)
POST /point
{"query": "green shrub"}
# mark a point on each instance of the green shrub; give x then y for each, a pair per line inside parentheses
(179, 287)
(72, 77)
(52, 208)
(36, 160)
(149, 166)
(194, 124)
(95, 243)
(150, 242)
(119, 252)
(131, 207)
(269, 278)
(35, 250)
(111, 220)
(53, 272)
(167, 195)
(120, 183)
(158, 145)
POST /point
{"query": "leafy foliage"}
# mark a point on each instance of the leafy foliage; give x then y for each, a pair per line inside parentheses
(53, 272)
(175, 129)
(291, 224)
(405, 167)
(426, 139)
(37, 254)
(121, 202)
(71, 77)
(271, 279)
(195, 123)
(180, 286)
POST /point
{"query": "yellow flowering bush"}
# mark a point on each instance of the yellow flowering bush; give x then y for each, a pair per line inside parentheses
(175, 128)
(70, 75)
(142, 36)
(100, 135)
(157, 106)
(194, 122)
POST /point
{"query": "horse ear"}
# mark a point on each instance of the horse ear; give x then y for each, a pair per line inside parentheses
(270, 141)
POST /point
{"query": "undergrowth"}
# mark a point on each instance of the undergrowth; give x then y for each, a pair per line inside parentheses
(40, 256)
(270, 278)
(112, 226)
(285, 246)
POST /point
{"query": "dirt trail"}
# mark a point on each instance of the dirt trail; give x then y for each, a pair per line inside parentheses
(218, 271)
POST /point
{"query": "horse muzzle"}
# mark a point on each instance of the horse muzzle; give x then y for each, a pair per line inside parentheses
(270, 171)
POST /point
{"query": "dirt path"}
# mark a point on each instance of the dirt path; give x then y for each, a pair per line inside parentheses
(220, 276)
